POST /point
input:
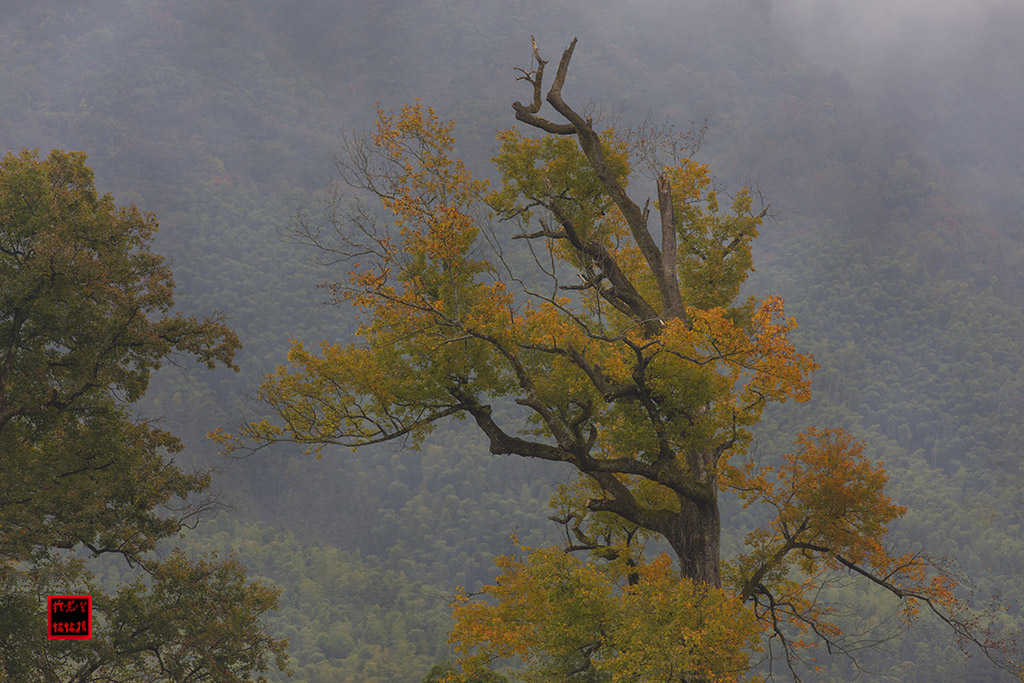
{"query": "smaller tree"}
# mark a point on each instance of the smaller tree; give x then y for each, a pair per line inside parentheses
(568, 620)
(84, 320)
(445, 671)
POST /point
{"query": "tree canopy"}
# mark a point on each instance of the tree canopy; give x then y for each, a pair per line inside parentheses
(627, 353)
(84, 320)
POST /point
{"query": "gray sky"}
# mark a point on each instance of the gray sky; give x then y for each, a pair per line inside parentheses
(864, 35)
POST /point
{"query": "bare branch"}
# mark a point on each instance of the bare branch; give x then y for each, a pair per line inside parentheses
(528, 114)
(672, 299)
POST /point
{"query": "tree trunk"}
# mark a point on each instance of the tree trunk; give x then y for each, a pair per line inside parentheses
(694, 536)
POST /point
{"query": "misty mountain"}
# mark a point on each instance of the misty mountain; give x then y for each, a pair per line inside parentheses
(886, 139)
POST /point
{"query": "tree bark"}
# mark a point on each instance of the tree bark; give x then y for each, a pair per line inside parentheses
(694, 535)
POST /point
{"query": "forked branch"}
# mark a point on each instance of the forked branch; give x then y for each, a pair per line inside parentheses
(661, 264)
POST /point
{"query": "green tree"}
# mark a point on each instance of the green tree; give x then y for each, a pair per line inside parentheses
(84, 320)
(632, 358)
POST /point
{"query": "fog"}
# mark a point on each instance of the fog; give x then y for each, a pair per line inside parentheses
(868, 38)
(951, 72)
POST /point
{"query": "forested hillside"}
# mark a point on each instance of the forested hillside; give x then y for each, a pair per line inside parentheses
(892, 162)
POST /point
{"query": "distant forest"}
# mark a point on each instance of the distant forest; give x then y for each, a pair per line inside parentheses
(893, 164)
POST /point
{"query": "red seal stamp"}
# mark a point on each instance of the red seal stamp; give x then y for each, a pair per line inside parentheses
(69, 616)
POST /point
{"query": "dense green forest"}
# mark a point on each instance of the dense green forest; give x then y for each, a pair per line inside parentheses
(895, 238)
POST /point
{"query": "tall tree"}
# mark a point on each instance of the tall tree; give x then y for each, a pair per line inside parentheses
(631, 358)
(84, 320)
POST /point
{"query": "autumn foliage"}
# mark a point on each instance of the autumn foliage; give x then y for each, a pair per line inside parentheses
(632, 358)
(559, 615)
